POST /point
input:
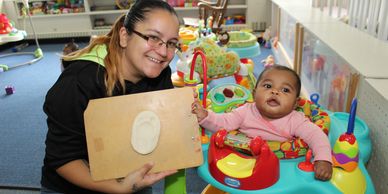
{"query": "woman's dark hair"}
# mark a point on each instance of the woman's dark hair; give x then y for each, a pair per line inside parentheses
(282, 68)
(140, 8)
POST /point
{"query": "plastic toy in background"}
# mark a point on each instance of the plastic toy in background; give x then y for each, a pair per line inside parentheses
(237, 19)
(187, 35)
(346, 158)
(245, 76)
(241, 39)
(318, 74)
(183, 69)
(5, 25)
(338, 87)
(191, 82)
(269, 61)
(38, 53)
(209, 24)
(9, 90)
(201, 26)
(244, 44)
(205, 31)
(223, 38)
(267, 37)
(220, 63)
(226, 97)
(238, 170)
(228, 20)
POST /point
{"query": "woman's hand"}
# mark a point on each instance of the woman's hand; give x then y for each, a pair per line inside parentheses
(323, 170)
(197, 108)
(78, 173)
(141, 178)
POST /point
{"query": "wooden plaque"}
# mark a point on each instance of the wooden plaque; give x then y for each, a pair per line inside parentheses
(108, 126)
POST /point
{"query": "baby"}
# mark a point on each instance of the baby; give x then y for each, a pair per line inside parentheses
(273, 117)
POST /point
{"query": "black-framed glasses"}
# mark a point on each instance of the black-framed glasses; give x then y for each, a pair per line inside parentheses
(155, 42)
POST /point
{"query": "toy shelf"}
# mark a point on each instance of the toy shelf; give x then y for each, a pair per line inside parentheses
(60, 25)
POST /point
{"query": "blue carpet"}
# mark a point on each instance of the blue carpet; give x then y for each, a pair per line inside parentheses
(23, 123)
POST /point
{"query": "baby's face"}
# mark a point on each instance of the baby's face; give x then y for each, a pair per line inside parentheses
(276, 94)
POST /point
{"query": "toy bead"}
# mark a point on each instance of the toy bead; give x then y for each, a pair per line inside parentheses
(228, 93)
(9, 90)
(239, 92)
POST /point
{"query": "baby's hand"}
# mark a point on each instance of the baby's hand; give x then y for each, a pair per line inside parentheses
(323, 170)
(197, 109)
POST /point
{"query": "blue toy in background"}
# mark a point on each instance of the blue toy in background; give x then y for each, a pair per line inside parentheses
(349, 136)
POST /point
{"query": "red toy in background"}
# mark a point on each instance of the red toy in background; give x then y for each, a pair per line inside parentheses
(5, 25)
(258, 169)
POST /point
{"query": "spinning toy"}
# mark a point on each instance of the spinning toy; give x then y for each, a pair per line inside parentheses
(8, 35)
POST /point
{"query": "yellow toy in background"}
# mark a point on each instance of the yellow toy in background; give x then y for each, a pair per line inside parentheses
(187, 35)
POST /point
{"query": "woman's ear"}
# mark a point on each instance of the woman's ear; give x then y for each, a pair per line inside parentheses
(124, 37)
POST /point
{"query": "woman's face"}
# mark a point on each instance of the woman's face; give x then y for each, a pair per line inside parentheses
(142, 60)
(276, 94)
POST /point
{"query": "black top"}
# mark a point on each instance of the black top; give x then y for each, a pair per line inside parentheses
(64, 106)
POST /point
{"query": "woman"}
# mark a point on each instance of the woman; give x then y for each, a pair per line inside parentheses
(133, 57)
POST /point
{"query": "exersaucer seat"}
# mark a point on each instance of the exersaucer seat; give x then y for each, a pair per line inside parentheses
(239, 170)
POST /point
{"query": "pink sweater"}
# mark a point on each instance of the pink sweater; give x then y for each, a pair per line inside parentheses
(250, 122)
